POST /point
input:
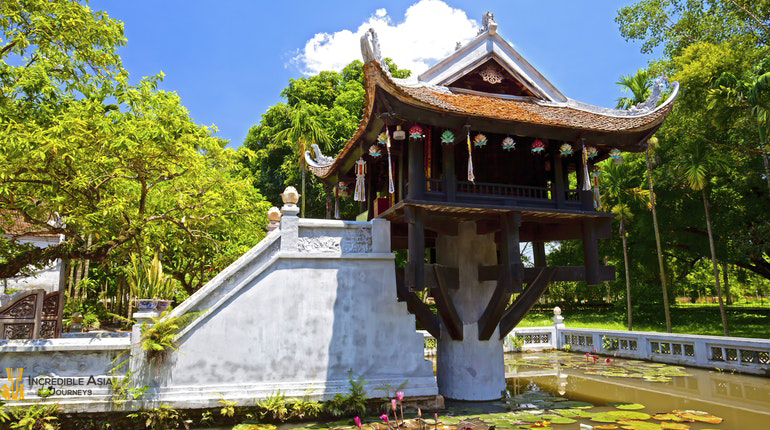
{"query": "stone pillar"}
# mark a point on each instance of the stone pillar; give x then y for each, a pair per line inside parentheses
(289, 220)
(469, 369)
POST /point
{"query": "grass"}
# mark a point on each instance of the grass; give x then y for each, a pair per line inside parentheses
(700, 320)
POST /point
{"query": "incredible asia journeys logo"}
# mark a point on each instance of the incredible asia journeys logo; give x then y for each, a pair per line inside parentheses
(48, 385)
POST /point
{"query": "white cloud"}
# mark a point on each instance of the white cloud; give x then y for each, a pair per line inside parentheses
(428, 33)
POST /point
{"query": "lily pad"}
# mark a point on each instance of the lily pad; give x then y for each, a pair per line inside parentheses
(639, 425)
(708, 419)
(627, 406)
(667, 417)
(673, 426)
(616, 416)
(606, 427)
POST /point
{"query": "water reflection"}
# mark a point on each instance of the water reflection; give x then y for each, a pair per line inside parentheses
(743, 401)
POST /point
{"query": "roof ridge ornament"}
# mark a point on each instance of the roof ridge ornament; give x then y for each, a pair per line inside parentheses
(653, 99)
(320, 159)
(488, 23)
(370, 50)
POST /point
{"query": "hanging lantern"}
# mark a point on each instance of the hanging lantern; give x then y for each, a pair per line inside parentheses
(447, 137)
(344, 190)
(591, 152)
(399, 134)
(359, 194)
(565, 150)
(508, 144)
(374, 151)
(538, 146)
(382, 139)
(415, 132)
(616, 157)
(479, 141)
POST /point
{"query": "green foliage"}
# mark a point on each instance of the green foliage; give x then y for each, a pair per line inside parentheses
(159, 339)
(149, 281)
(332, 100)
(273, 408)
(34, 417)
(516, 341)
(3, 414)
(228, 408)
(111, 166)
(160, 418)
(352, 404)
(304, 408)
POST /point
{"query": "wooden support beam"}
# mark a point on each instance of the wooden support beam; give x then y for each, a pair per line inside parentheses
(558, 179)
(590, 253)
(448, 169)
(416, 168)
(538, 251)
(415, 306)
(446, 309)
(562, 273)
(509, 277)
(447, 276)
(525, 300)
(415, 273)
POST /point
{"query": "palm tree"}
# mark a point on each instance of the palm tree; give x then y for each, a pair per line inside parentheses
(305, 130)
(640, 85)
(617, 181)
(694, 165)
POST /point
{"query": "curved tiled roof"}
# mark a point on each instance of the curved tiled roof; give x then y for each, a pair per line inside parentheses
(524, 110)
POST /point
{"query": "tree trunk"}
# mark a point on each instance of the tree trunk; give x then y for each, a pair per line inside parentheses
(767, 171)
(714, 262)
(728, 298)
(663, 285)
(625, 262)
(302, 213)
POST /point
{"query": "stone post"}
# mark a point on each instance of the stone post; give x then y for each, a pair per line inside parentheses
(273, 218)
(380, 235)
(558, 320)
(289, 220)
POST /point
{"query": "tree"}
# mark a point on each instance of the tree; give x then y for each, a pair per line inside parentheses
(304, 131)
(620, 190)
(113, 167)
(640, 86)
(694, 166)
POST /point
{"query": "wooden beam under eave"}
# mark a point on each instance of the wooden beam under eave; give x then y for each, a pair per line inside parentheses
(444, 305)
(416, 307)
(526, 300)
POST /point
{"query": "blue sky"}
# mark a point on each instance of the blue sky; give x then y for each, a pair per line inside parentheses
(229, 60)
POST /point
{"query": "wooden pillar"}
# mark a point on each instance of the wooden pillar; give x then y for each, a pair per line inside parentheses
(538, 251)
(415, 267)
(558, 177)
(400, 173)
(448, 167)
(579, 171)
(590, 252)
(371, 193)
(416, 170)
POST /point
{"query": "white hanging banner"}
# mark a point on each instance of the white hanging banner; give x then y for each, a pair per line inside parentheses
(471, 177)
(360, 192)
(391, 188)
(586, 176)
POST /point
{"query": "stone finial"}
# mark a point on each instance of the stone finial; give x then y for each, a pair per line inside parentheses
(290, 198)
(273, 218)
(558, 320)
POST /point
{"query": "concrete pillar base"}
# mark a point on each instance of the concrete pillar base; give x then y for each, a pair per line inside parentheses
(470, 369)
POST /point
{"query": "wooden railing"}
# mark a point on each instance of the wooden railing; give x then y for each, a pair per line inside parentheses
(32, 315)
(503, 190)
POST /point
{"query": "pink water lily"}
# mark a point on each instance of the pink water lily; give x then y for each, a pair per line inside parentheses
(385, 418)
(400, 395)
(357, 421)
(393, 404)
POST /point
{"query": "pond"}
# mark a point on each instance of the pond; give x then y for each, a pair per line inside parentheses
(561, 390)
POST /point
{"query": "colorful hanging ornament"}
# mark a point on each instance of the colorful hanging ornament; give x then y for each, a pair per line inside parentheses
(382, 139)
(471, 177)
(359, 194)
(592, 152)
(538, 146)
(391, 188)
(617, 158)
(374, 151)
(479, 140)
(447, 137)
(399, 134)
(565, 150)
(586, 176)
(415, 132)
(597, 197)
(508, 143)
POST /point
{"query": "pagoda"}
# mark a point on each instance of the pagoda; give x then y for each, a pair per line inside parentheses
(477, 155)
